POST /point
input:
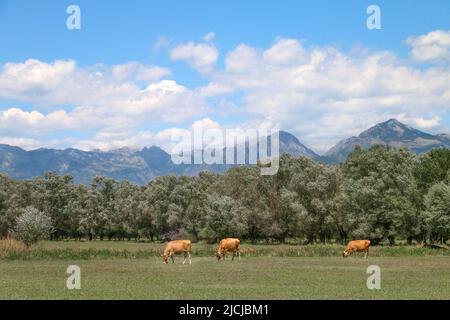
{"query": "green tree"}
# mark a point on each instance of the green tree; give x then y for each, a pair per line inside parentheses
(223, 218)
(53, 192)
(432, 167)
(381, 189)
(437, 215)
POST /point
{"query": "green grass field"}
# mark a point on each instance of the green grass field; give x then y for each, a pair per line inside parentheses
(276, 274)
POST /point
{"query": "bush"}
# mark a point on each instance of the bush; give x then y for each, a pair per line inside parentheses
(176, 234)
(32, 225)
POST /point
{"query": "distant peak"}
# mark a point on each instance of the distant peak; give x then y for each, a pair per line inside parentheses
(393, 120)
(286, 136)
(152, 148)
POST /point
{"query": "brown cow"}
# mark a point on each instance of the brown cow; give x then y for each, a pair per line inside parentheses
(357, 246)
(177, 246)
(226, 245)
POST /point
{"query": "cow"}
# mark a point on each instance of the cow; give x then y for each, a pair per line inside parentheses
(357, 246)
(227, 245)
(177, 246)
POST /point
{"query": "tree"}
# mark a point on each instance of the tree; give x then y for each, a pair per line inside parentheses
(381, 191)
(245, 185)
(223, 218)
(32, 226)
(437, 215)
(432, 167)
(315, 187)
(53, 192)
(158, 194)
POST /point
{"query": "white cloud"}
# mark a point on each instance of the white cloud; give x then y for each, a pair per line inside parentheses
(94, 97)
(28, 143)
(209, 36)
(321, 94)
(139, 72)
(286, 51)
(166, 138)
(214, 89)
(15, 120)
(420, 122)
(242, 59)
(434, 46)
(200, 56)
(160, 43)
(107, 142)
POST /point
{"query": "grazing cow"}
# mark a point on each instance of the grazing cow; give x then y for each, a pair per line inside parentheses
(357, 246)
(177, 246)
(226, 245)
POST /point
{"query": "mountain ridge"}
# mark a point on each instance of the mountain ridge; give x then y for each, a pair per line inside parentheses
(141, 166)
(391, 132)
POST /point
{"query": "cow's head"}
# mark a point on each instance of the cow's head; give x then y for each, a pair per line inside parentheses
(218, 254)
(345, 253)
(165, 258)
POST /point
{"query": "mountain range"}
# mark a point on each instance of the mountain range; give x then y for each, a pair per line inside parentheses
(392, 133)
(144, 165)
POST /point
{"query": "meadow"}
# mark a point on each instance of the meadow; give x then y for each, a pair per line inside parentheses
(133, 270)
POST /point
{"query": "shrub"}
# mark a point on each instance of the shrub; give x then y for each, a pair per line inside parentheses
(176, 234)
(32, 225)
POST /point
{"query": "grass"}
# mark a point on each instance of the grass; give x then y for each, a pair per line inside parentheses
(250, 278)
(66, 250)
(130, 270)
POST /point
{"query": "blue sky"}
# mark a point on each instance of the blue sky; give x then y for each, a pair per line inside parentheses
(167, 45)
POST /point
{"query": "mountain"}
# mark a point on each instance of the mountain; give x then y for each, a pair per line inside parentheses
(21, 164)
(392, 133)
(291, 145)
(137, 166)
(141, 166)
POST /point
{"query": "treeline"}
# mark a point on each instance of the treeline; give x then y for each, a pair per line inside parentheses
(382, 194)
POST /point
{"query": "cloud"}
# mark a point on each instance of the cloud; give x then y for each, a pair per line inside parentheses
(166, 138)
(15, 120)
(432, 47)
(241, 59)
(319, 93)
(139, 72)
(200, 56)
(323, 95)
(209, 36)
(61, 82)
(286, 51)
(98, 96)
(420, 122)
(160, 43)
(24, 143)
(105, 142)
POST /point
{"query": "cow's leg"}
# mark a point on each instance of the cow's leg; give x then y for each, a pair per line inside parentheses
(171, 257)
(239, 254)
(367, 253)
(184, 256)
(232, 258)
(189, 254)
